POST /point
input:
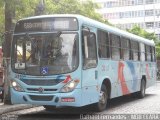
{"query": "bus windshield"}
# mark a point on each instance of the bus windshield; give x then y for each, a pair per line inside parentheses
(54, 53)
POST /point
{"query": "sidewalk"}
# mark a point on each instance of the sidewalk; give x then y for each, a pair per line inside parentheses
(10, 108)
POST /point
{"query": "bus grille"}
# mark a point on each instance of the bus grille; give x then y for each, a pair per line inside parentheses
(42, 82)
(41, 98)
(37, 90)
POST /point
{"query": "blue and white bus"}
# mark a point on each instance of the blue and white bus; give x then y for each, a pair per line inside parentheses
(71, 60)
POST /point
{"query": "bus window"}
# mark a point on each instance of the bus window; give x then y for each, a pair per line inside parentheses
(89, 50)
(20, 51)
(148, 53)
(103, 43)
(153, 54)
(115, 46)
(135, 51)
(125, 48)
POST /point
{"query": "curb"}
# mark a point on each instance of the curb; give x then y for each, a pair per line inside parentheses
(12, 108)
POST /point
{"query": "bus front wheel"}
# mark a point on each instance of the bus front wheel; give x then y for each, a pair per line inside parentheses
(101, 105)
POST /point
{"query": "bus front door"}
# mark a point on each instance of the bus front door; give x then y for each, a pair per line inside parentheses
(89, 72)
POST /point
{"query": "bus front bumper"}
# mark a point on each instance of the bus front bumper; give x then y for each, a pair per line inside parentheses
(57, 99)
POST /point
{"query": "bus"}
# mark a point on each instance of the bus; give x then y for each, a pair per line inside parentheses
(70, 60)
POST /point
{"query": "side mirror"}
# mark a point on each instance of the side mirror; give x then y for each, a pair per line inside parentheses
(85, 29)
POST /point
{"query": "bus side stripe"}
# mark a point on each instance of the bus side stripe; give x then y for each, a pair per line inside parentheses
(133, 73)
(122, 79)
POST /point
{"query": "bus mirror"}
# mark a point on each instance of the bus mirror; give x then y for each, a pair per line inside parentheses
(86, 29)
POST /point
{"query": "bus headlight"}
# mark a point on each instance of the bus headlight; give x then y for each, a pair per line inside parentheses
(16, 86)
(70, 86)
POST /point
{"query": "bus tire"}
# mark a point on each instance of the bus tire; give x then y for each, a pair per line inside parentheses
(49, 108)
(101, 105)
(141, 93)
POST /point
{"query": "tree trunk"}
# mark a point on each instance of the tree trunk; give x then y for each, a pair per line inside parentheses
(7, 49)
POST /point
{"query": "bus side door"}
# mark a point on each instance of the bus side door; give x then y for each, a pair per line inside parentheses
(89, 66)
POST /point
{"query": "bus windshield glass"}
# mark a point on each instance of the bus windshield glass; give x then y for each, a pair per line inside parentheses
(45, 54)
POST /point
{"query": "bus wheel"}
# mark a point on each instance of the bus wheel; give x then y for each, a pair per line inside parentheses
(142, 92)
(49, 108)
(101, 105)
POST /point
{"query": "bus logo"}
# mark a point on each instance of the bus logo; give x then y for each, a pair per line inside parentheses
(44, 70)
(40, 89)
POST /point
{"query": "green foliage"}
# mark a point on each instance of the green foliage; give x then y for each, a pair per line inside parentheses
(86, 8)
(143, 33)
(158, 52)
(26, 8)
(151, 36)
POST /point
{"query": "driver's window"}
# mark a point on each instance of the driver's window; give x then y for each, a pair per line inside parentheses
(89, 49)
(19, 51)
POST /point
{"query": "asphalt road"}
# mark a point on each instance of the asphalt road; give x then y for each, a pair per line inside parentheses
(122, 105)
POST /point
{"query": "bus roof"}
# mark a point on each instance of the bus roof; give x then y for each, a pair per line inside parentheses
(99, 25)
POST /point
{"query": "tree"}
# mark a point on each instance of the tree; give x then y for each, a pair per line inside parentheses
(26, 8)
(13, 10)
(86, 8)
(143, 33)
(151, 36)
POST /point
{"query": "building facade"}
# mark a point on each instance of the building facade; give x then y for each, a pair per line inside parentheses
(127, 13)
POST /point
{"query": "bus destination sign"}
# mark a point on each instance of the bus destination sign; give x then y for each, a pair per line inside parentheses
(46, 24)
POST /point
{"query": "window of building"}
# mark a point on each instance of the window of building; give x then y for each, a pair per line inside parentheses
(140, 2)
(149, 12)
(140, 13)
(136, 13)
(133, 14)
(157, 24)
(149, 24)
(115, 46)
(149, 1)
(157, 1)
(103, 42)
(157, 12)
(121, 14)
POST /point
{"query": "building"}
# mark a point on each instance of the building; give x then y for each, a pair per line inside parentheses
(127, 13)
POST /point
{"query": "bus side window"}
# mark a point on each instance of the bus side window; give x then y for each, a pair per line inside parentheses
(153, 54)
(148, 53)
(103, 44)
(115, 46)
(125, 48)
(135, 50)
(89, 50)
